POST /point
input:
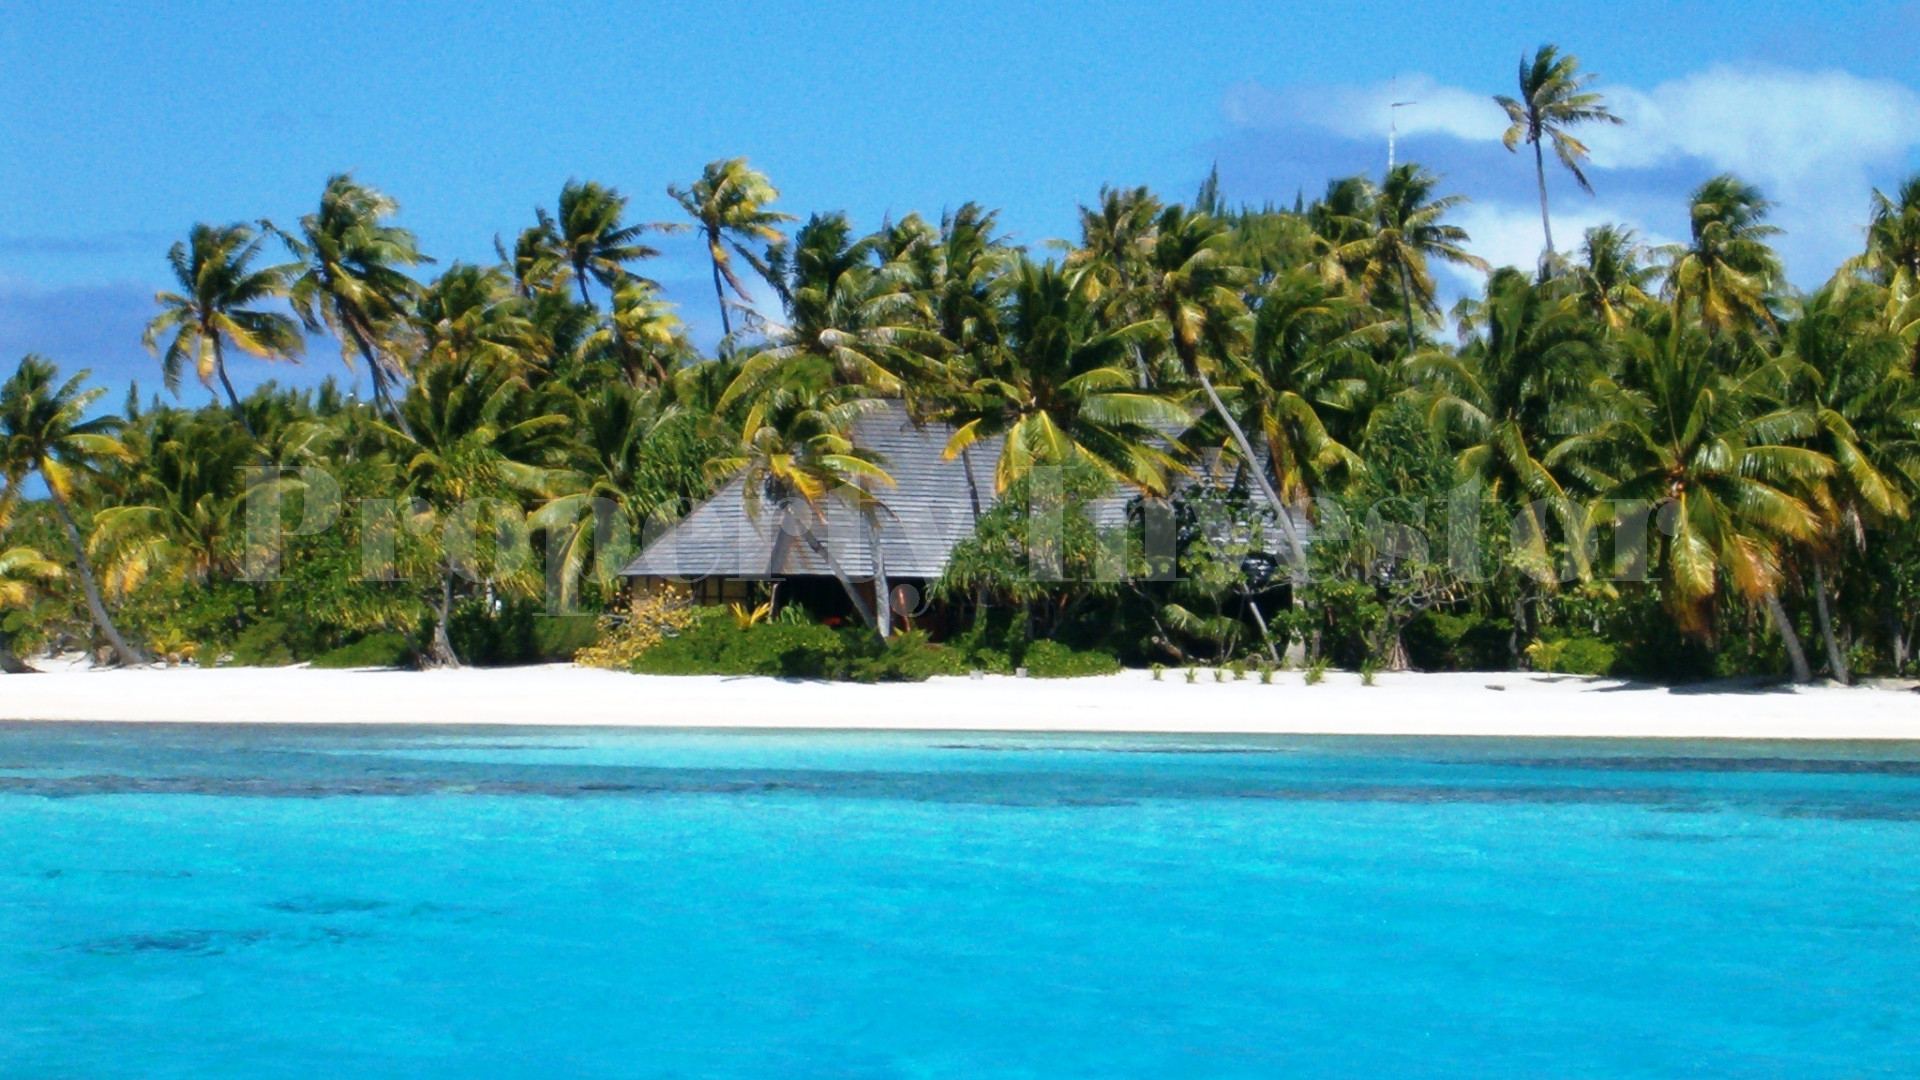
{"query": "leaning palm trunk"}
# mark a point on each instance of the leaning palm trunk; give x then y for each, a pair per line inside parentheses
(233, 399)
(1540, 172)
(440, 653)
(882, 590)
(1836, 660)
(1295, 548)
(1266, 636)
(382, 397)
(9, 663)
(126, 653)
(1406, 303)
(719, 292)
(1795, 654)
(814, 545)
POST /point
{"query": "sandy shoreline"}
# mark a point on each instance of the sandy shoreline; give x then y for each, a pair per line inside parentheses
(1408, 704)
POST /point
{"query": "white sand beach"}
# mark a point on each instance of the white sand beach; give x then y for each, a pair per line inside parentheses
(1492, 704)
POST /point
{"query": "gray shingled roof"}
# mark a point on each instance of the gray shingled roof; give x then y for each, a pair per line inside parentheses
(925, 513)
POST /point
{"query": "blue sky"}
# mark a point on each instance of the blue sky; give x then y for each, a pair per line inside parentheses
(122, 124)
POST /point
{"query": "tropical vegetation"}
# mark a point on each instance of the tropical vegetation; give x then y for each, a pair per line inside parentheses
(1271, 444)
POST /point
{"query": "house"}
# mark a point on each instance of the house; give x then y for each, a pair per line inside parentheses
(722, 551)
(726, 554)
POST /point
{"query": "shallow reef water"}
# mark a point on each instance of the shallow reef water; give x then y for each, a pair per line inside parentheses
(265, 901)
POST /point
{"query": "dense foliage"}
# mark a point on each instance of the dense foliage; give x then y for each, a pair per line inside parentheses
(1662, 462)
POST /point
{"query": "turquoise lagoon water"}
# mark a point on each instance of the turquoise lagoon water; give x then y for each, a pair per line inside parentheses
(260, 902)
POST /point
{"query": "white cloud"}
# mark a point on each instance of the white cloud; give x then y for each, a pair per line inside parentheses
(1509, 235)
(1812, 140)
(1787, 130)
(1358, 112)
(1782, 128)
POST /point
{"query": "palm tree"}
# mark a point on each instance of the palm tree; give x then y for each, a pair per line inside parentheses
(1342, 224)
(1196, 299)
(1502, 395)
(353, 283)
(1689, 428)
(642, 333)
(218, 286)
(536, 263)
(1505, 398)
(728, 204)
(635, 455)
(44, 430)
(861, 321)
(1116, 239)
(796, 450)
(1727, 273)
(1554, 97)
(1892, 259)
(1304, 333)
(181, 509)
(22, 569)
(473, 430)
(1610, 279)
(595, 243)
(472, 311)
(1059, 392)
(1854, 377)
(1407, 232)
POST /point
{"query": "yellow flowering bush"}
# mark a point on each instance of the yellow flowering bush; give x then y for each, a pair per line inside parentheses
(652, 618)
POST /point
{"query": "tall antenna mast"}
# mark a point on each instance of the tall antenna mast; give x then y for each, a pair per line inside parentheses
(1393, 123)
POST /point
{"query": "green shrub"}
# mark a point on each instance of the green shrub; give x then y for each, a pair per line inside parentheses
(1052, 660)
(562, 637)
(1158, 670)
(1573, 656)
(715, 644)
(1316, 672)
(997, 642)
(384, 650)
(264, 644)
(908, 657)
(1437, 641)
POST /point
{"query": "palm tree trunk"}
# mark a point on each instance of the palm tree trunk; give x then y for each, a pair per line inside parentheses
(1261, 621)
(1406, 300)
(1795, 654)
(382, 399)
(860, 605)
(726, 325)
(128, 654)
(1540, 172)
(233, 399)
(1897, 637)
(9, 663)
(580, 275)
(973, 486)
(441, 653)
(1516, 652)
(882, 591)
(973, 499)
(1836, 661)
(1295, 548)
